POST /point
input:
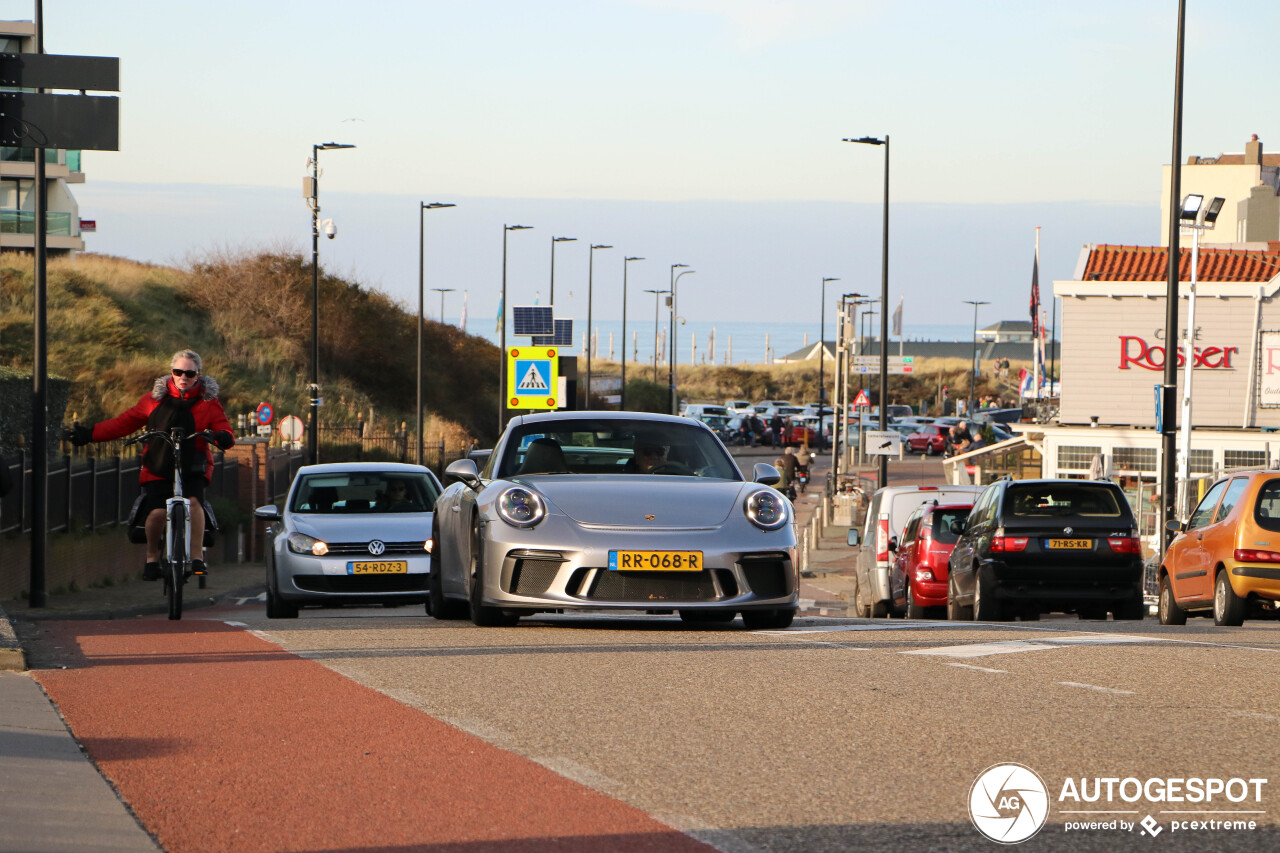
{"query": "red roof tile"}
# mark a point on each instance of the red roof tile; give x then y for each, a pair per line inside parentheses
(1151, 263)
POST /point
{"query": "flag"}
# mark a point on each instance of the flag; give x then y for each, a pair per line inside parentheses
(462, 321)
(498, 326)
(897, 317)
(1035, 291)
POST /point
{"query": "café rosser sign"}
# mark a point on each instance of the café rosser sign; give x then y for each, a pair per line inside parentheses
(1114, 344)
(1137, 351)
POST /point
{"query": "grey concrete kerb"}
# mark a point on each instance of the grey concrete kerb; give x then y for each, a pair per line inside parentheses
(11, 657)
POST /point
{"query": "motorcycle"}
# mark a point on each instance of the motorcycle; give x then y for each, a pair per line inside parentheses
(802, 477)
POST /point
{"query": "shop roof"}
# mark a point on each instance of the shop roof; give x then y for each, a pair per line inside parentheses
(1151, 263)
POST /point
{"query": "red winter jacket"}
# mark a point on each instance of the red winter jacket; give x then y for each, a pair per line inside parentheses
(207, 412)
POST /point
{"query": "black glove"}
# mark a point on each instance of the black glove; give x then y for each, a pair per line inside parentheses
(79, 435)
(224, 440)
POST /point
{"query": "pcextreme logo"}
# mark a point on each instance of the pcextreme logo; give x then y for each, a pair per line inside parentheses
(1008, 803)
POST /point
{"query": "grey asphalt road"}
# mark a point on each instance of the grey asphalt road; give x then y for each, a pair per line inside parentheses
(842, 734)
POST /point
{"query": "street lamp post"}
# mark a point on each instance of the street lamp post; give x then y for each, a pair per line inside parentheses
(1198, 217)
(591, 257)
(822, 347)
(884, 303)
(622, 401)
(442, 291)
(973, 356)
(655, 293)
(671, 333)
(313, 414)
(422, 207)
(555, 240)
(502, 325)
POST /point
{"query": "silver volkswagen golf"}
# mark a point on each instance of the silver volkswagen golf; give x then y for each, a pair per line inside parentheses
(350, 533)
(613, 511)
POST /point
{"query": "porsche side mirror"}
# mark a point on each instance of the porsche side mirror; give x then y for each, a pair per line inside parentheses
(464, 470)
(765, 474)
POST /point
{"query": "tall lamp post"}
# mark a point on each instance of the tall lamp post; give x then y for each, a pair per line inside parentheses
(1169, 386)
(671, 344)
(313, 414)
(655, 293)
(973, 356)
(591, 257)
(555, 240)
(622, 400)
(822, 347)
(502, 325)
(442, 291)
(884, 304)
(1198, 217)
(422, 208)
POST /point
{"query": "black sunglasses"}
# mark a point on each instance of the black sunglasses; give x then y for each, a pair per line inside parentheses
(190, 374)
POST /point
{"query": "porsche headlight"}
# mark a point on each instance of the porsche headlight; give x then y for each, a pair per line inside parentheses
(301, 543)
(521, 507)
(766, 509)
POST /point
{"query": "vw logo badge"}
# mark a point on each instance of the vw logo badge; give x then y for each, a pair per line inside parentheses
(376, 547)
(1067, 530)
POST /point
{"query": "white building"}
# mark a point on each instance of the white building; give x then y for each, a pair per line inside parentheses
(17, 178)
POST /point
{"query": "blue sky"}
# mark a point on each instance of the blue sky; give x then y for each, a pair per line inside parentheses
(704, 132)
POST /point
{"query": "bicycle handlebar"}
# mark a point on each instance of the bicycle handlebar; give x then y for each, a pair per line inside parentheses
(173, 440)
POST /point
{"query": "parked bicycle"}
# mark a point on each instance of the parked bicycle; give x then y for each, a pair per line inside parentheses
(175, 558)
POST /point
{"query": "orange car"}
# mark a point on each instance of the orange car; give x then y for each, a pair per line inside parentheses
(1225, 559)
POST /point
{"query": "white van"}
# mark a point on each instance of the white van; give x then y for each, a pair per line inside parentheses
(886, 514)
(698, 410)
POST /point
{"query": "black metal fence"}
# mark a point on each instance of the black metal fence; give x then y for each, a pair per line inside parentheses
(89, 493)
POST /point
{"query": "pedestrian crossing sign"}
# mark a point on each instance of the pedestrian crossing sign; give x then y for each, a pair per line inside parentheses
(532, 378)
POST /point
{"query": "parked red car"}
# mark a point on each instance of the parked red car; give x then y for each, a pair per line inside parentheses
(919, 580)
(797, 432)
(930, 439)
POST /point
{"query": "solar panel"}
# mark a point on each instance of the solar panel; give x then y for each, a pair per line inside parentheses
(534, 320)
(562, 338)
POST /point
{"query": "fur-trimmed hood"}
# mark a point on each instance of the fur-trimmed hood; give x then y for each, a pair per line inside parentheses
(208, 385)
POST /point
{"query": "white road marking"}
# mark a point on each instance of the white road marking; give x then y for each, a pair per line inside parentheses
(241, 602)
(1096, 687)
(978, 668)
(235, 624)
(977, 650)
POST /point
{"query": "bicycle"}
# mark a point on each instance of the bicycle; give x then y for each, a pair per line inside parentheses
(175, 559)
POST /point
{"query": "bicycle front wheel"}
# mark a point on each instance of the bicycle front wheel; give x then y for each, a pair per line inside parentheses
(176, 576)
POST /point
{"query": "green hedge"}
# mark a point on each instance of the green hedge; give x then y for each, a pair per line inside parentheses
(15, 409)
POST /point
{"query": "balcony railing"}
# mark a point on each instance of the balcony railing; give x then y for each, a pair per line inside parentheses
(24, 222)
(52, 157)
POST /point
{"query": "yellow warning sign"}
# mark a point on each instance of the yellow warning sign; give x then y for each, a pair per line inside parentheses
(532, 378)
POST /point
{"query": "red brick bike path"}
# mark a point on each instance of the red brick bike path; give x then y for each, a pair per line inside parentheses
(221, 741)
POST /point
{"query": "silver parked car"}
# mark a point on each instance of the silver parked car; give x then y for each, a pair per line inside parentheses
(350, 533)
(613, 511)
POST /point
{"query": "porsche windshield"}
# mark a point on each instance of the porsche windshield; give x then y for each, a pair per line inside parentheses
(615, 447)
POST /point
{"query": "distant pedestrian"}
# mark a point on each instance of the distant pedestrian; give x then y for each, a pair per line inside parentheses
(775, 429)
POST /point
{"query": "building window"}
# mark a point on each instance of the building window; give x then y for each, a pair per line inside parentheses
(1076, 456)
(15, 194)
(1201, 461)
(1134, 459)
(1244, 459)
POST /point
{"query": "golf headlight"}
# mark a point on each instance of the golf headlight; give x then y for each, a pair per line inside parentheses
(766, 509)
(301, 543)
(521, 507)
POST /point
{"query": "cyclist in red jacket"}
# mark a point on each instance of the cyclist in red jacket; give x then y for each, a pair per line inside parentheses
(186, 399)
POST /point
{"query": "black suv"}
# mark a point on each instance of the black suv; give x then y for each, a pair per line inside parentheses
(1036, 546)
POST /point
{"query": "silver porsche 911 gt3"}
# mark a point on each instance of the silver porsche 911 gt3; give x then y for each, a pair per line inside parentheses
(612, 511)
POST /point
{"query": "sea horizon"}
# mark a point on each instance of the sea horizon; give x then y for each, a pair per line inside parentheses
(750, 342)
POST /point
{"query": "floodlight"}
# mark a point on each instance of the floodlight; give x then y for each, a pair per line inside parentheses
(1215, 207)
(1191, 207)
